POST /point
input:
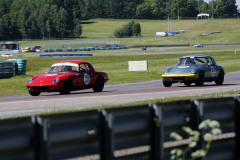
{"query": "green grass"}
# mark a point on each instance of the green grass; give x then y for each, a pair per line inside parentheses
(103, 29)
(229, 28)
(115, 62)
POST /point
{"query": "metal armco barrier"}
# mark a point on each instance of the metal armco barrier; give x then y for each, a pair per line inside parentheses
(66, 55)
(104, 132)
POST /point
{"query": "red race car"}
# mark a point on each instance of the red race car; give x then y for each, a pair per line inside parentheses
(67, 76)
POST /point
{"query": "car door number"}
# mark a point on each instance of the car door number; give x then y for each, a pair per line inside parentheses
(213, 72)
(86, 79)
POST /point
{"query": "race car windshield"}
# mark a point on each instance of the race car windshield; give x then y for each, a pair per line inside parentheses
(63, 68)
(192, 61)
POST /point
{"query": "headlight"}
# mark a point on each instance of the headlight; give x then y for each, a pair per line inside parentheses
(30, 80)
(55, 80)
(192, 71)
(166, 71)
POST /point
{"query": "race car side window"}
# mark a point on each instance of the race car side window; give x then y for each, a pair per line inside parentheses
(84, 68)
(211, 62)
(201, 61)
(55, 69)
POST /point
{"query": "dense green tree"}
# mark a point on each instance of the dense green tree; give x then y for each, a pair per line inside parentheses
(153, 9)
(61, 23)
(190, 9)
(226, 8)
(62, 18)
(159, 9)
(184, 8)
(144, 10)
(77, 30)
(5, 20)
(5, 27)
(202, 6)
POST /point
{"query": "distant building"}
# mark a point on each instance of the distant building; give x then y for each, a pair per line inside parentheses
(202, 15)
(9, 45)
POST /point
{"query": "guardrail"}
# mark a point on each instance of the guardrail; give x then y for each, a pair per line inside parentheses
(165, 45)
(66, 55)
(84, 49)
(106, 131)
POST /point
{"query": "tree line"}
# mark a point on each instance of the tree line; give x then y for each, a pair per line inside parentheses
(46, 19)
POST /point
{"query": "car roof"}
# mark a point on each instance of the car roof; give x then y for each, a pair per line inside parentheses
(198, 55)
(72, 61)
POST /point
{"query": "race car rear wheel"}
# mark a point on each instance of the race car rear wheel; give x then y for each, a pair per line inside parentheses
(167, 84)
(34, 93)
(220, 79)
(67, 87)
(200, 80)
(99, 85)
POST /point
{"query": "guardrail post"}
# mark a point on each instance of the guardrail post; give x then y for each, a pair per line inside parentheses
(41, 138)
(198, 109)
(106, 136)
(237, 126)
(157, 150)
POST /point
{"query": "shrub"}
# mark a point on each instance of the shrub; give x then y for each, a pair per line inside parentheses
(130, 29)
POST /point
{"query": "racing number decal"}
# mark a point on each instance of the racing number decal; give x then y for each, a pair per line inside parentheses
(86, 79)
(213, 72)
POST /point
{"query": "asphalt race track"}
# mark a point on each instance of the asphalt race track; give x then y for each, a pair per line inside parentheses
(114, 94)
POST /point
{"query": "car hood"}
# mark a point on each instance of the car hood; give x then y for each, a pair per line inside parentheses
(181, 69)
(46, 79)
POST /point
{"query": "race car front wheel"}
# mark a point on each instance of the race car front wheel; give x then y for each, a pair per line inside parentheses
(200, 80)
(34, 93)
(67, 87)
(99, 85)
(167, 84)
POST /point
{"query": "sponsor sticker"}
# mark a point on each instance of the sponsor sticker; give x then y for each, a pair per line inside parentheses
(183, 66)
(51, 74)
(86, 79)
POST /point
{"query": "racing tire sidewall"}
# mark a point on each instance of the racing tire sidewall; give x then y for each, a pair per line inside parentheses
(67, 87)
(34, 93)
(167, 84)
(99, 85)
(200, 80)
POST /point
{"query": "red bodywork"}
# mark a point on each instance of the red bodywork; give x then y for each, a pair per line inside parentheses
(80, 79)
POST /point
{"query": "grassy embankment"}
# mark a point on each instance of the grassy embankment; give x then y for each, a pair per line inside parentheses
(115, 62)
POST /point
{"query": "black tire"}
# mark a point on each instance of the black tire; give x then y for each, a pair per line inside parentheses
(187, 83)
(220, 79)
(99, 85)
(200, 80)
(67, 87)
(167, 84)
(34, 93)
